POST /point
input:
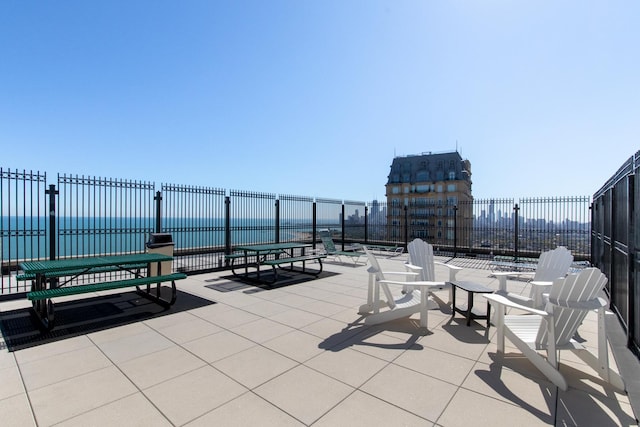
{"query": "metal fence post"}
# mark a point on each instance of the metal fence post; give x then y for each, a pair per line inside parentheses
(277, 206)
(516, 209)
(406, 226)
(52, 192)
(158, 199)
(227, 226)
(314, 223)
(455, 231)
(342, 224)
(366, 224)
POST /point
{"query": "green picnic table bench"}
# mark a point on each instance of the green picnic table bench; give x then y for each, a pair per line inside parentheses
(44, 290)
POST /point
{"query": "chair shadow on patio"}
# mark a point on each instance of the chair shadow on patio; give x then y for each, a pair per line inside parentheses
(357, 333)
(88, 315)
(605, 411)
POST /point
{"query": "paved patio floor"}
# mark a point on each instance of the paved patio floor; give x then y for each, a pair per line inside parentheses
(232, 354)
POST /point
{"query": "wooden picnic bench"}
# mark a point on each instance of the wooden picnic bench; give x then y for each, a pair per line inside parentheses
(45, 286)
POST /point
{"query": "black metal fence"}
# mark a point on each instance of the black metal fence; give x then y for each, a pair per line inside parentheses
(88, 216)
(615, 244)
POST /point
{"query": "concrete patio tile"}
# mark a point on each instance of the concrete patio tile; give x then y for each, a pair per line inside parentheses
(16, 411)
(458, 339)
(329, 327)
(246, 410)
(189, 396)
(363, 410)
(231, 318)
(293, 300)
(469, 408)
(211, 311)
(296, 318)
(578, 408)
(536, 395)
(130, 347)
(218, 346)
(296, 345)
(349, 366)
(40, 373)
(422, 395)
(69, 398)
(444, 366)
(154, 368)
(254, 366)
(265, 308)
(7, 359)
(118, 333)
(322, 308)
(134, 410)
(187, 329)
(11, 383)
(382, 346)
(262, 330)
(47, 350)
(305, 394)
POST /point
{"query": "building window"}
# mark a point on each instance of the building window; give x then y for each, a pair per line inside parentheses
(452, 175)
(451, 188)
(395, 190)
(422, 176)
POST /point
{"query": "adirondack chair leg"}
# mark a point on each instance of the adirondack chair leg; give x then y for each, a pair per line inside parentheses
(543, 364)
(424, 309)
(600, 364)
(499, 322)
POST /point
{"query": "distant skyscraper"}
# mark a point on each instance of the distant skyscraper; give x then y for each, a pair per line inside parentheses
(435, 189)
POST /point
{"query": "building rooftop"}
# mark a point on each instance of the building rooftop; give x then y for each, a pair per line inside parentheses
(228, 353)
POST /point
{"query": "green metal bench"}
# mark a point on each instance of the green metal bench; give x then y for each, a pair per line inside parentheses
(95, 287)
(76, 272)
(277, 262)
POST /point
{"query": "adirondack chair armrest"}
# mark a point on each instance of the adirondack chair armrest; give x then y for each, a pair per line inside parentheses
(413, 268)
(503, 301)
(416, 284)
(592, 304)
(503, 275)
(453, 269)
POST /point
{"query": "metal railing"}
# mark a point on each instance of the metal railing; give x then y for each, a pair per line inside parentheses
(89, 216)
(615, 244)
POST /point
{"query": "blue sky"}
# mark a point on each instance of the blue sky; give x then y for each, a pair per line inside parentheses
(315, 98)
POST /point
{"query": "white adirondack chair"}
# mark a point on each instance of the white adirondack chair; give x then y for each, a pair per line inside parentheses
(422, 261)
(553, 329)
(551, 265)
(393, 306)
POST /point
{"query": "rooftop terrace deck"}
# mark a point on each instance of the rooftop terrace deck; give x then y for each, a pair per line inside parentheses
(234, 354)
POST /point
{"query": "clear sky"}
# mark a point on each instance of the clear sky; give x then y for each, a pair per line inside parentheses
(315, 98)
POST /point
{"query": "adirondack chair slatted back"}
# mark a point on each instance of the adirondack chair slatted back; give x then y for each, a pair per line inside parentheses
(553, 264)
(576, 288)
(379, 275)
(421, 255)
